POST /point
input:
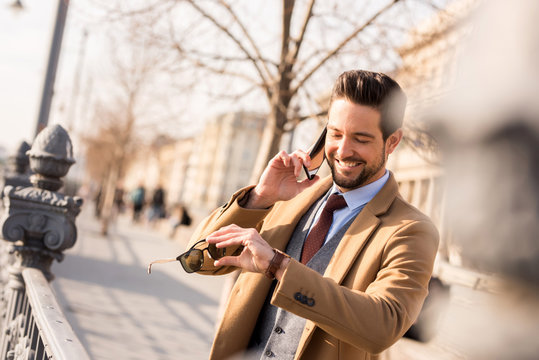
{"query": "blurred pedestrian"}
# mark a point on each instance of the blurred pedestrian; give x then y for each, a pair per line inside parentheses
(179, 216)
(98, 202)
(137, 199)
(119, 199)
(157, 206)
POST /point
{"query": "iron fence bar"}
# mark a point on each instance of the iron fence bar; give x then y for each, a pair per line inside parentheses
(54, 328)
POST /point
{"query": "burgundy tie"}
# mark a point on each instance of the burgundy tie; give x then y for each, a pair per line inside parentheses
(318, 233)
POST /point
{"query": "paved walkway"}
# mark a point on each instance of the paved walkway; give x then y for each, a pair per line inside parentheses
(119, 311)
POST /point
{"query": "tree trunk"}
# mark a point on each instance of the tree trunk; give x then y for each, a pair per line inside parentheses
(271, 142)
(108, 202)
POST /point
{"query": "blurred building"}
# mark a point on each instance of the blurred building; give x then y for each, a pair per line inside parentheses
(428, 73)
(475, 68)
(164, 162)
(223, 157)
(204, 171)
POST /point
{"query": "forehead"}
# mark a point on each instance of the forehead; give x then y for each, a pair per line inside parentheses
(347, 116)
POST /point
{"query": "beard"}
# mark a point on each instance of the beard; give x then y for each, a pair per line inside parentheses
(364, 177)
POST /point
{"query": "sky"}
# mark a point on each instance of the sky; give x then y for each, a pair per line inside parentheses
(25, 38)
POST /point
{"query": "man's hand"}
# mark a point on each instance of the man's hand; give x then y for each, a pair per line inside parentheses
(279, 180)
(256, 255)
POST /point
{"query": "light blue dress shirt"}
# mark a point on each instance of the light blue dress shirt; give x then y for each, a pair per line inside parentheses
(355, 200)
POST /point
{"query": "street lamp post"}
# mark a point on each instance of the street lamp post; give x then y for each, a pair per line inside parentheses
(48, 86)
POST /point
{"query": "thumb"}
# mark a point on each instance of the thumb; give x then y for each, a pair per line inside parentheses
(304, 184)
(227, 261)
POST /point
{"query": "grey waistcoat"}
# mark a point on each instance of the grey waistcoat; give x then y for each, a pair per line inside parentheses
(277, 331)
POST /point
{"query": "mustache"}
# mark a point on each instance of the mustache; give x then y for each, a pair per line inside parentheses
(348, 159)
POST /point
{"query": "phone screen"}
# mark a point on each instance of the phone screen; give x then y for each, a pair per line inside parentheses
(317, 155)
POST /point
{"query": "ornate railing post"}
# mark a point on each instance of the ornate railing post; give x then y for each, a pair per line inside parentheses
(39, 224)
(17, 169)
(16, 174)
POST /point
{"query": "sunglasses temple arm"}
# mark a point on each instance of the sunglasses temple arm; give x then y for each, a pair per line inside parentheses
(161, 261)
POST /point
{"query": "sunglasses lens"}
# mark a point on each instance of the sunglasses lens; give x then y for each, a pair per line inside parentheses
(192, 260)
(216, 253)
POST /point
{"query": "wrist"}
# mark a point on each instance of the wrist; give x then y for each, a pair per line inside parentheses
(284, 265)
(253, 200)
(277, 265)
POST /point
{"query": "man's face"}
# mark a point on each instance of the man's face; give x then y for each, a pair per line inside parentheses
(355, 148)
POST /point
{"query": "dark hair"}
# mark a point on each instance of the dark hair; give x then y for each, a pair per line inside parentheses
(376, 90)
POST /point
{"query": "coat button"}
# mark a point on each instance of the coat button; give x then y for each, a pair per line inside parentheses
(278, 330)
(310, 302)
(298, 296)
(269, 353)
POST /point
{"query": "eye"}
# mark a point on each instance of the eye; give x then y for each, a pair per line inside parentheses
(362, 140)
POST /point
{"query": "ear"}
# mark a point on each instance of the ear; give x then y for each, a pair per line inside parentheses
(392, 141)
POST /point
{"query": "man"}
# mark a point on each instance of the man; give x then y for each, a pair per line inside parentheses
(361, 291)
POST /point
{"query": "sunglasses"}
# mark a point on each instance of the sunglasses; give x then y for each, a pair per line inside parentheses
(193, 259)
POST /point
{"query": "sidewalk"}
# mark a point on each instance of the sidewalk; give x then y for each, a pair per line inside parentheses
(119, 311)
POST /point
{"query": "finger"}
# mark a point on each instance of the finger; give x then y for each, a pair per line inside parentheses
(308, 183)
(296, 163)
(305, 158)
(239, 236)
(285, 158)
(221, 238)
(228, 261)
(229, 229)
(234, 241)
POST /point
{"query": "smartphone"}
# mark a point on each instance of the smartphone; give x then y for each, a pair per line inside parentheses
(317, 155)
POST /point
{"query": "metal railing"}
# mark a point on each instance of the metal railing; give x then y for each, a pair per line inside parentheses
(38, 224)
(36, 328)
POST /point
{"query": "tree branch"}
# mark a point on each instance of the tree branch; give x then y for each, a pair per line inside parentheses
(222, 71)
(265, 81)
(302, 32)
(338, 48)
(249, 38)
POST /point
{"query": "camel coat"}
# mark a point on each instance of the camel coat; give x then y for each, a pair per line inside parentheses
(370, 294)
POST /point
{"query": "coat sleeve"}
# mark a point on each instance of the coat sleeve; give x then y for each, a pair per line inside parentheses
(230, 213)
(373, 319)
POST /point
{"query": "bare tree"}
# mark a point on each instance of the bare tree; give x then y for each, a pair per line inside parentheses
(110, 148)
(245, 51)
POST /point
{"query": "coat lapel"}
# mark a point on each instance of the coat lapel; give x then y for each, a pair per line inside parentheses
(360, 231)
(351, 245)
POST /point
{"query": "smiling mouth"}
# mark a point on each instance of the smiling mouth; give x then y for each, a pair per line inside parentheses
(348, 164)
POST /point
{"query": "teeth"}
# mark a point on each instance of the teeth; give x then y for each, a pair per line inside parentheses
(349, 164)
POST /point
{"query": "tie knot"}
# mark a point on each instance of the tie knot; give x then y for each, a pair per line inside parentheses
(335, 202)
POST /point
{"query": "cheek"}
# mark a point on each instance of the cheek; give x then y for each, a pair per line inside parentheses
(331, 147)
(371, 152)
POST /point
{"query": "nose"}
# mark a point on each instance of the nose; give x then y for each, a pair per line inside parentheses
(344, 148)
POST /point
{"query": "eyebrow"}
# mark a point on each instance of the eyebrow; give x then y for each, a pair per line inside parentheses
(359, 133)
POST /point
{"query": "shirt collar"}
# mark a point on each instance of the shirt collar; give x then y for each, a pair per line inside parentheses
(360, 196)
